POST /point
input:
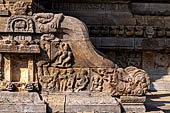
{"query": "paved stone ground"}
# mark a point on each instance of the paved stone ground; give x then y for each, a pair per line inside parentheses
(158, 102)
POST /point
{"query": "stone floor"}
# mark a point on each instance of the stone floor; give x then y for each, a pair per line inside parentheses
(158, 102)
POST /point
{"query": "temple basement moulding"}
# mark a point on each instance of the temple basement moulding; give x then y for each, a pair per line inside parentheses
(49, 65)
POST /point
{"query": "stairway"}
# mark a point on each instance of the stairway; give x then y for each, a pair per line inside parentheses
(158, 102)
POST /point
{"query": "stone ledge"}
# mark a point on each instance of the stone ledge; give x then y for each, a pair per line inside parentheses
(73, 103)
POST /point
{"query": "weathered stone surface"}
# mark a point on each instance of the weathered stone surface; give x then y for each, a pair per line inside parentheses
(75, 103)
(150, 9)
(133, 104)
(21, 102)
(56, 103)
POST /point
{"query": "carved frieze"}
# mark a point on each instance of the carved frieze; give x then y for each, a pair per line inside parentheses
(129, 31)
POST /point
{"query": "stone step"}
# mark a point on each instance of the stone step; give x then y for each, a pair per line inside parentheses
(23, 108)
(160, 86)
(158, 102)
(21, 102)
(83, 103)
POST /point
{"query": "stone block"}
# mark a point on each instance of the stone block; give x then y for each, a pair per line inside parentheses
(133, 104)
(155, 21)
(150, 43)
(21, 102)
(85, 103)
(160, 86)
(57, 103)
(117, 42)
(25, 108)
(150, 9)
(20, 97)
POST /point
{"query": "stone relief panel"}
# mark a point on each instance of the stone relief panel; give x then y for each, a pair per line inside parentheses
(157, 64)
(65, 80)
(63, 56)
(128, 58)
(20, 24)
(22, 8)
(47, 22)
(69, 63)
(156, 61)
(162, 61)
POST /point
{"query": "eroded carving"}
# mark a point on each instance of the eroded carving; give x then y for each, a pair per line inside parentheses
(20, 24)
(47, 22)
(96, 81)
(22, 8)
(82, 81)
(63, 56)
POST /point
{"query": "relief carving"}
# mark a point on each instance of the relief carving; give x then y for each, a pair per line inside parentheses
(129, 30)
(71, 80)
(161, 61)
(96, 82)
(125, 59)
(62, 55)
(20, 24)
(118, 81)
(22, 8)
(150, 32)
(131, 81)
(47, 22)
(68, 62)
(82, 81)
(50, 83)
(63, 80)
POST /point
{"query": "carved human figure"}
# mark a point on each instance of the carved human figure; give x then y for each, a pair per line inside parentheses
(107, 79)
(63, 56)
(54, 83)
(71, 80)
(96, 82)
(81, 80)
(63, 81)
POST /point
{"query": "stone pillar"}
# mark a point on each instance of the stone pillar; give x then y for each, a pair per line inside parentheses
(7, 69)
(31, 70)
